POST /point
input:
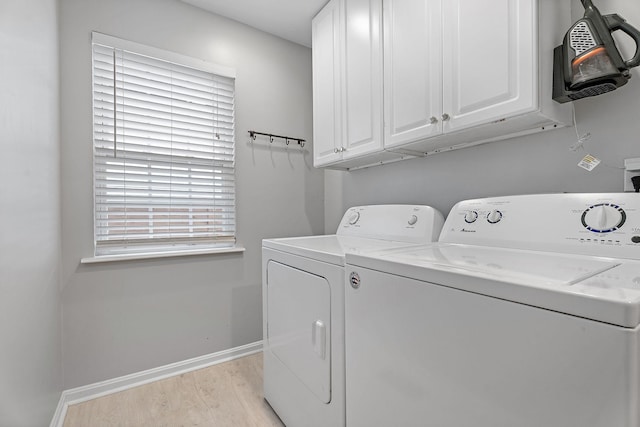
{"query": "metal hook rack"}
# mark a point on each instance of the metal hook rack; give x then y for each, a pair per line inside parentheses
(287, 139)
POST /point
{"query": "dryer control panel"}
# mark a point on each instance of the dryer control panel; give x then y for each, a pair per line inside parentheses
(402, 223)
(600, 224)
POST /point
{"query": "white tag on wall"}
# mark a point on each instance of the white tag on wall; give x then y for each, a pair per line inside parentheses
(589, 162)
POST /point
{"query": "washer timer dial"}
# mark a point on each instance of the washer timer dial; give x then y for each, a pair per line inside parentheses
(603, 218)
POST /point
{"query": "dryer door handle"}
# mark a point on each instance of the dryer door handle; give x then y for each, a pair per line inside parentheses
(319, 338)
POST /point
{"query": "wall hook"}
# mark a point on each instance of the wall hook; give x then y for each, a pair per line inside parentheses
(287, 139)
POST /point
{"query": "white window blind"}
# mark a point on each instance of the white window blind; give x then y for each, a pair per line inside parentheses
(163, 154)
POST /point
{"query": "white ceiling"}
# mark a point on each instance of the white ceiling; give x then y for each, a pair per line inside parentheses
(289, 19)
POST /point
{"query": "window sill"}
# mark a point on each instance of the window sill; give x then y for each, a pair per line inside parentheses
(153, 255)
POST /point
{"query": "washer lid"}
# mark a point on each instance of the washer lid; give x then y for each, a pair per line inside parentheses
(330, 248)
(572, 284)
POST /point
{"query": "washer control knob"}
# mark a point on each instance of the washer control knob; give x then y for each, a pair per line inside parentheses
(635, 239)
(603, 218)
(354, 217)
(412, 220)
(470, 217)
(494, 216)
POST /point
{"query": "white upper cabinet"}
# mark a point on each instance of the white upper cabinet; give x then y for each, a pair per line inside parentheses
(327, 95)
(454, 73)
(347, 84)
(489, 60)
(412, 70)
(362, 77)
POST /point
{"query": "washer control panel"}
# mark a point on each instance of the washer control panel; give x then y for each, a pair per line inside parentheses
(601, 224)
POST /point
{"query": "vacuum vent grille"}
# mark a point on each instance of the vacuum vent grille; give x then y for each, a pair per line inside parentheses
(593, 91)
(581, 38)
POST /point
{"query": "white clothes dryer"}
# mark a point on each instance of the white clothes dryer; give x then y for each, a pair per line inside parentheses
(303, 307)
(525, 313)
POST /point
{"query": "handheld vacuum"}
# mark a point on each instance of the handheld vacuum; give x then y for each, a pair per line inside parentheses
(588, 62)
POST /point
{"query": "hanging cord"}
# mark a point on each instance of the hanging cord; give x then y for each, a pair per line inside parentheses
(580, 141)
(115, 107)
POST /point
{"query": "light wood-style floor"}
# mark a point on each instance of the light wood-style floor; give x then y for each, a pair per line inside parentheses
(227, 394)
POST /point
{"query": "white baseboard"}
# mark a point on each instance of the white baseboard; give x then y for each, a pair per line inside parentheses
(103, 388)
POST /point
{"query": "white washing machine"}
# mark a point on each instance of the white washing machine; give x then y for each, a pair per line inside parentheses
(303, 307)
(524, 314)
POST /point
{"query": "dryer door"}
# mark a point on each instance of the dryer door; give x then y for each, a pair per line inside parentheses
(299, 325)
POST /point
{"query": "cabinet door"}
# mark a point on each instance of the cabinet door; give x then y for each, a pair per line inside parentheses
(362, 79)
(489, 60)
(412, 70)
(327, 112)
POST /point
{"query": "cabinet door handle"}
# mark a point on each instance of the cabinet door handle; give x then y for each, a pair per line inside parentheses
(433, 120)
(335, 150)
(445, 117)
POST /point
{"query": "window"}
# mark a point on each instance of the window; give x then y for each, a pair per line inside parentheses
(163, 135)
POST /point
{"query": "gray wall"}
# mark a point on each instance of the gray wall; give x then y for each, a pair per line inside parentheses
(30, 353)
(129, 316)
(533, 164)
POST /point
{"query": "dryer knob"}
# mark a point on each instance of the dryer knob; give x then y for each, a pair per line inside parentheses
(412, 220)
(354, 217)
